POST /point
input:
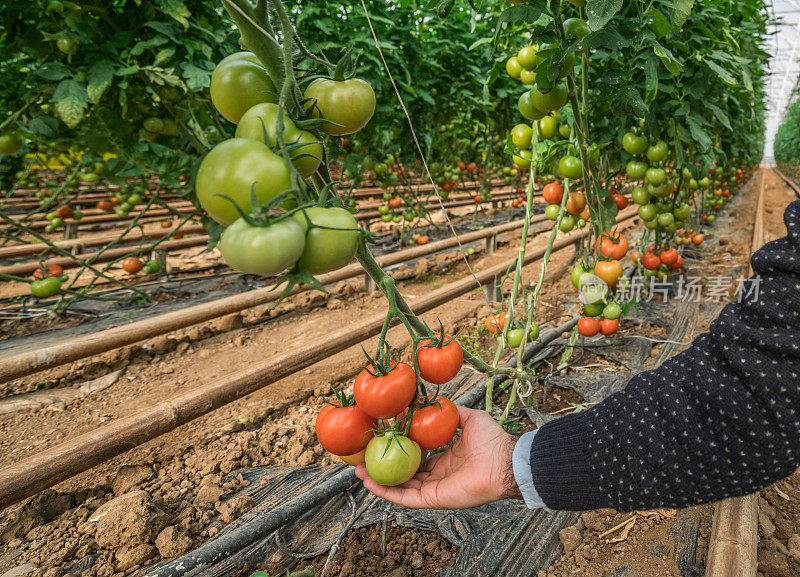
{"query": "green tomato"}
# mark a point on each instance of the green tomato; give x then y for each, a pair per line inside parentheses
(566, 65)
(575, 275)
(515, 337)
(51, 215)
(526, 107)
(570, 167)
(552, 100)
(233, 168)
(57, 222)
(152, 266)
(325, 249)
(576, 28)
(533, 334)
(565, 130)
(77, 215)
(705, 182)
(262, 119)
(651, 224)
(10, 143)
(528, 76)
(126, 206)
(682, 212)
(153, 124)
(655, 176)
(397, 219)
(383, 209)
(665, 219)
(593, 309)
(392, 459)
(263, 250)
(657, 152)
(692, 184)
(523, 159)
(513, 67)
(548, 127)
(639, 195)
(634, 144)
(67, 46)
(120, 212)
(568, 223)
(636, 169)
(46, 287)
(551, 211)
(347, 103)
(527, 56)
(647, 212)
(522, 136)
(49, 228)
(612, 310)
(711, 218)
(238, 83)
(386, 217)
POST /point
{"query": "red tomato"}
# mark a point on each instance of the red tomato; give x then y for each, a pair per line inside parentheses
(422, 239)
(677, 264)
(669, 256)
(609, 326)
(344, 431)
(588, 327)
(471, 168)
(650, 261)
(495, 323)
(105, 205)
(620, 201)
(461, 165)
(64, 212)
(698, 239)
(585, 214)
(132, 265)
(477, 198)
(612, 245)
(553, 193)
(433, 426)
(52, 270)
(438, 365)
(635, 256)
(386, 395)
(609, 271)
(395, 202)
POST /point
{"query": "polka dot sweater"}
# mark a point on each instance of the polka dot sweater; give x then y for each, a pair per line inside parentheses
(720, 419)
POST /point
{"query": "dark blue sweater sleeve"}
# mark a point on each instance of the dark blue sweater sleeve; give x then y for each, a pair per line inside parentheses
(720, 419)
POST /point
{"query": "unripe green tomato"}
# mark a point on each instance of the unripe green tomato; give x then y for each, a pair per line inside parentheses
(513, 67)
(657, 152)
(634, 144)
(551, 211)
(57, 222)
(568, 222)
(636, 169)
(527, 56)
(533, 334)
(77, 215)
(515, 337)
(612, 310)
(46, 287)
(528, 76)
(526, 107)
(647, 212)
(552, 100)
(570, 167)
(523, 159)
(665, 219)
(548, 127)
(521, 136)
(639, 195)
(655, 176)
(386, 217)
(565, 130)
(593, 309)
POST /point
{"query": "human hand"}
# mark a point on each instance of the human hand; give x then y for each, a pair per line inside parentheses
(476, 470)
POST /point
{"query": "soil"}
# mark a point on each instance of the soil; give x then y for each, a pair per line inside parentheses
(163, 495)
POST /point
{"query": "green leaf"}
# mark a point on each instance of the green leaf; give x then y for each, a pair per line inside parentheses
(53, 71)
(70, 99)
(698, 132)
(601, 11)
(679, 14)
(723, 74)
(719, 114)
(163, 55)
(196, 78)
(177, 10)
(43, 126)
(651, 78)
(143, 45)
(530, 13)
(606, 38)
(99, 78)
(660, 23)
(667, 59)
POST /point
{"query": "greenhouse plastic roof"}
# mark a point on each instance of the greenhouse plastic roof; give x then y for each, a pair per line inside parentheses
(784, 68)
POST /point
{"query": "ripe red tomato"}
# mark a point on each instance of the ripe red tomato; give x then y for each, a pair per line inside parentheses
(609, 326)
(422, 239)
(477, 198)
(698, 239)
(612, 245)
(438, 365)
(635, 256)
(650, 261)
(51, 270)
(64, 212)
(344, 431)
(609, 271)
(433, 426)
(495, 323)
(132, 265)
(588, 327)
(395, 202)
(471, 168)
(553, 192)
(105, 205)
(461, 165)
(669, 256)
(386, 395)
(620, 201)
(677, 264)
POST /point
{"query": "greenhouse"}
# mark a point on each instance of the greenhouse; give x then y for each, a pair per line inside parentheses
(399, 289)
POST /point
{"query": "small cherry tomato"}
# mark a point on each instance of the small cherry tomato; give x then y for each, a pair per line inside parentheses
(132, 265)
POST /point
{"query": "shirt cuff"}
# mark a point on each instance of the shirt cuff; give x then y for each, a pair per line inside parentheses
(523, 473)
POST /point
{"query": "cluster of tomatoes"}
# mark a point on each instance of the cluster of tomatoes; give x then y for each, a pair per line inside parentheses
(390, 422)
(577, 211)
(47, 280)
(59, 216)
(249, 166)
(598, 285)
(133, 265)
(123, 201)
(495, 323)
